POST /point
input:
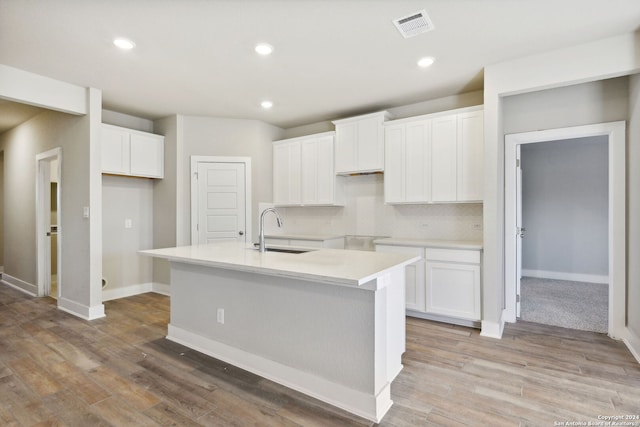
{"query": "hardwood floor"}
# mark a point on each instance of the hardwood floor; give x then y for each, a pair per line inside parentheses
(56, 369)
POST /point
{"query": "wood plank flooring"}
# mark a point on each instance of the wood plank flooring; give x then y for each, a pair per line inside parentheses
(58, 370)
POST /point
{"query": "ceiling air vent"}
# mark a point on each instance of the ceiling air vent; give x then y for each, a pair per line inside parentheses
(414, 24)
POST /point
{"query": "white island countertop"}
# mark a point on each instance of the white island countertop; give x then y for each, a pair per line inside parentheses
(331, 266)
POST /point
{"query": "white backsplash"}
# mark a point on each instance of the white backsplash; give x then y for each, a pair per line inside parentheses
(366, 214)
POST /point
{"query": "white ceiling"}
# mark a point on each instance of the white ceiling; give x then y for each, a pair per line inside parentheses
(332, 58)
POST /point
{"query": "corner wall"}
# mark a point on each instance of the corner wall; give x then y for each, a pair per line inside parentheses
(633, 216)
(78, 134)
(611, 57)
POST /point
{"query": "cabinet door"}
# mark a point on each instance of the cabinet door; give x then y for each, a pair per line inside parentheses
(147, 155)
(115, 150)
(325, 174)
(317, 173)
(417, 160)
(346, 147)
(414, 276)
(394, 173)
(470, 156)
(453, 289)
(444, 159)
(286, 173)
(309, 169)
(370, 145)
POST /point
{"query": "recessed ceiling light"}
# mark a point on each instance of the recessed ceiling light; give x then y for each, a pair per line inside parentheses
(266, 104)
(425, 62)
(264, 49)
(124, 44)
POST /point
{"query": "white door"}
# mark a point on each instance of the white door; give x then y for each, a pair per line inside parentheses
(221, 202)
(519, 229)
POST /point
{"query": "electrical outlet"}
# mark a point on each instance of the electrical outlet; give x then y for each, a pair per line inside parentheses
(221, 315)
(128, 223)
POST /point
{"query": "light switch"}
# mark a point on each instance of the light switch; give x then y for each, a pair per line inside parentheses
(128, 223)
(85, 212)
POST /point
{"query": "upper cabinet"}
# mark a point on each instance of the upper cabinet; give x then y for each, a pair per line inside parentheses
(131, 152)
(303, 172)
(360, 143)
(435, 158)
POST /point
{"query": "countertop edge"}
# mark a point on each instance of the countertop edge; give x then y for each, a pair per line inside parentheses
(426, 243)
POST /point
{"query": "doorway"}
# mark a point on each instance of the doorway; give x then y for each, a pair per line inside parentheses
(513, 232)
(220, 199)
(564, 233)
(48, 219)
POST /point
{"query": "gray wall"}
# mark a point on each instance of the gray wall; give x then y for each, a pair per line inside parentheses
(1, 208)
(187, 136)
(45, 131)
(633, 207)
(565, 206)
(126, 198)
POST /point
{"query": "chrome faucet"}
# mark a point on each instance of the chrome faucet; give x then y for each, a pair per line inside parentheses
(261, 245)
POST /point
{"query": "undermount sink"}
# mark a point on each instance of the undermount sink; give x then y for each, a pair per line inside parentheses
(284, 250)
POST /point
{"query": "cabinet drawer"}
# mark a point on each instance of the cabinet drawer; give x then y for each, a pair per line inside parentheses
(453, 255)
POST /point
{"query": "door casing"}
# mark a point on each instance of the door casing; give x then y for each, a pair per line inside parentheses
(617, 214)
(43, 220)
(194, 191)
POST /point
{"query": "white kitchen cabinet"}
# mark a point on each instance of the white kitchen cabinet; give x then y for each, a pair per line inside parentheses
(286, 173)
(132, 153)
(414, 276)
(453, 283)
(435, 158)
(444, 151)
(360, 143)
(470, 156)
(303, 173)
(444, 285)
(407, 152)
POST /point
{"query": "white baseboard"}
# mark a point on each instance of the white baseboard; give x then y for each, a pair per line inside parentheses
(21, 285)
(161, 288)
(125, 291)
(558, 275)
(632, 341)
(493, 329)
(81, 310)
(369, 406)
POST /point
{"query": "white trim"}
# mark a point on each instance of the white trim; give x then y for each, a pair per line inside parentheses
(354, 401)
(126, 291)
(43, 221)
(632, 341)
(21, 285)
(559, 275)
(161, 288)
(81, 310)
(194, 191)
(493, 329)
(617, 213)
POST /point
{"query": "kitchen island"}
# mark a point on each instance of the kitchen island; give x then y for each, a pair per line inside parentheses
(329, 323)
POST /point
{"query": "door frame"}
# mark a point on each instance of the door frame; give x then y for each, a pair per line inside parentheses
(43, 220)
(195, 160)
(615, 131)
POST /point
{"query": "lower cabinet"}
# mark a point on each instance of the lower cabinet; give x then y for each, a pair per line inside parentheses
(452, 283)
(443, 285)
(414, 275)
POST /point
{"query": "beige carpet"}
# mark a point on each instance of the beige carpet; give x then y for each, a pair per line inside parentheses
(574, 305)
